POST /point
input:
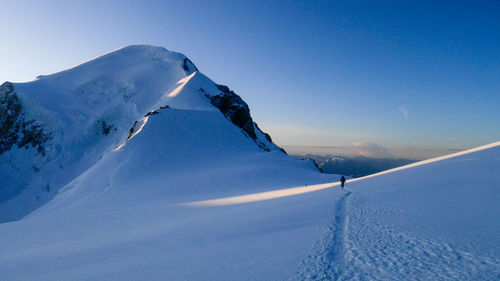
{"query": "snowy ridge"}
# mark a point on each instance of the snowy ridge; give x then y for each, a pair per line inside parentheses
(274, 194)
(72, 118)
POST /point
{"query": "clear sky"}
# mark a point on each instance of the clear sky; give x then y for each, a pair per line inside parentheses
(379, 78)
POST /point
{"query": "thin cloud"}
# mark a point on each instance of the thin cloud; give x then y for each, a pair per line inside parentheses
(372, 150)
(456, 116)
(316, 146)
(404, 111)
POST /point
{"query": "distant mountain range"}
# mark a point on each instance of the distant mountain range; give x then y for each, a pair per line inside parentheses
(356, 166)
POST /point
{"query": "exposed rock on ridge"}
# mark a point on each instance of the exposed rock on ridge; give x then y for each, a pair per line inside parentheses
(14, 128)
(236, 109)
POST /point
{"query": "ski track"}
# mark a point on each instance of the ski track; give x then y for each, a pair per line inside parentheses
(356, 246)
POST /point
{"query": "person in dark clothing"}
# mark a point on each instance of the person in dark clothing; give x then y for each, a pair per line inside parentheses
(342, 181)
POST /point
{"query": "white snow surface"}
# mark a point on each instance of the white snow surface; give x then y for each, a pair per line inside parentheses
(116, 91)
(121, 221)
(122, 214)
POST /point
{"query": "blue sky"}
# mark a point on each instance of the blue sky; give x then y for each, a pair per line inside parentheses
(401, 78)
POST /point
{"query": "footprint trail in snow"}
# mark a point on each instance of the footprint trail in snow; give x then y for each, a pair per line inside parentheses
(359, 245)
(328, 260)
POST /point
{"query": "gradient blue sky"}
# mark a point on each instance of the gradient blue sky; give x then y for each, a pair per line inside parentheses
(401, 78)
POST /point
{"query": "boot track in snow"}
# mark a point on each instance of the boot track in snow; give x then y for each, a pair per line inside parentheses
(330, 262)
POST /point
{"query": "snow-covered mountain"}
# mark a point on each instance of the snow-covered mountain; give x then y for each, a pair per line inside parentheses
(58, 126)
(135, 166)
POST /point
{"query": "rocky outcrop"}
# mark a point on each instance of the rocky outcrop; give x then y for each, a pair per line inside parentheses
(237, 111)
(234, 108)
(14, 129)
(10, 110)
(106, 128)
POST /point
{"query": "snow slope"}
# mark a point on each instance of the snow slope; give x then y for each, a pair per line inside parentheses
(118, 212)
(118, 218)
(437, 221)
(434, 221)
(60, 125)
(273, 194)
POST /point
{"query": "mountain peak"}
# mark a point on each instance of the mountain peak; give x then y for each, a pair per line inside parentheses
(123, 60)
(62, 124)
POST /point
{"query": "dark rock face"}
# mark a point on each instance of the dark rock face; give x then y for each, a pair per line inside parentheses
(235, 109)
(156, 111)
(14, 128)
(106, 129)
(10, 110)
(316, 165)
(131, 130)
